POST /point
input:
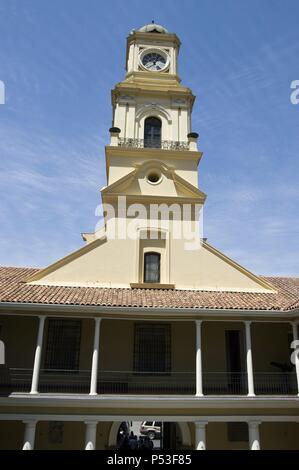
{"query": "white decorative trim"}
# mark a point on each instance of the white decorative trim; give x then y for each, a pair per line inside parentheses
(147, 109)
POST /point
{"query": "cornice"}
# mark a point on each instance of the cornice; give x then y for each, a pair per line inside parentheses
(145, 86)
(152, 153)
(165, 38)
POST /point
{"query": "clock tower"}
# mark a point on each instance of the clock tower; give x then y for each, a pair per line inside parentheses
(152, 89)
(149, 236)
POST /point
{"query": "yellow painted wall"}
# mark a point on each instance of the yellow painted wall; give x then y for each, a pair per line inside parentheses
(189, 269)
(117, 346)
(279, 436)
(120, 166)
(19, 335)
(214, 345)
(217, 438)
(11, 435)
(73, 436)
(117, 343)
(270, 344)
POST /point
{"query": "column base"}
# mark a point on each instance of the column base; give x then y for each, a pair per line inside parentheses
(251, 395)
(93, 394)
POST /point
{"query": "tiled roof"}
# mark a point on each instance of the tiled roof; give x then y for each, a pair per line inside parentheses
(13, 288)
(294, 305)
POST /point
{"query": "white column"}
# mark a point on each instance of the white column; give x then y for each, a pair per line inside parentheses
(249, 360)
(29, 435)
(295, 338)
(254, 435)
(95, 358)
(90, 435)
(38, 354)
(200, 435)
(199, 389)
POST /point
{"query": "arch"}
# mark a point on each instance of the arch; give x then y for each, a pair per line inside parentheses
(149, 164)
(153, 109)
(112, 439)
(184, 429)
(186, 434)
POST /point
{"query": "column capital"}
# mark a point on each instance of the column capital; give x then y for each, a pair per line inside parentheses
(248, 322)
(254, 424)
(198, 321)
(91, 423)
(30, 422)
(42, 317)
(200, 424)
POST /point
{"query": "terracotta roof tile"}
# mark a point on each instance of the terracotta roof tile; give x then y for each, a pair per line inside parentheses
(13, 288)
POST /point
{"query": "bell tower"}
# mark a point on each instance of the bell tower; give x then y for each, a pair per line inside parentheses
(151, 108)
(152, 89)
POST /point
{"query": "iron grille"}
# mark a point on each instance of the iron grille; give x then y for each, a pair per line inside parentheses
(152, 348)
(153, 143)
(63, 344)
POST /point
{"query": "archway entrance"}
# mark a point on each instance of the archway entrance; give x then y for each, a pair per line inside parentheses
(172, 435)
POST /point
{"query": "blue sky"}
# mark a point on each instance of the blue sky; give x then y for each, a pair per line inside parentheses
(59, 59)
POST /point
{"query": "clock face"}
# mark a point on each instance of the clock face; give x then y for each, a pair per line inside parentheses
(154, 61)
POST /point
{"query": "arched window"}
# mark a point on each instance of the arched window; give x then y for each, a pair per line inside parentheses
(152, 267)
(152, 132)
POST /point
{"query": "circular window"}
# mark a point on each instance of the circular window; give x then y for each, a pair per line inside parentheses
(154, 176)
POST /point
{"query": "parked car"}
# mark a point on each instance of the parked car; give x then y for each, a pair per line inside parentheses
(152, 429)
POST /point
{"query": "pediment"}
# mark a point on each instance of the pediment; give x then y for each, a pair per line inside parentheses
(169, 184)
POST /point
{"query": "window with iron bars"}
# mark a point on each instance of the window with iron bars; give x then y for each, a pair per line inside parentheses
(152, 348)
(63, 345)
